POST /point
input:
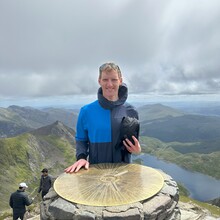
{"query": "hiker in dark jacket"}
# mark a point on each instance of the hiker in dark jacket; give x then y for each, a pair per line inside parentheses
(45, 183)
(98, 125)
(18, 202)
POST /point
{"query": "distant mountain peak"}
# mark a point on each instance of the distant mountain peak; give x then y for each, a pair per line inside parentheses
(156, 111)
(16, 120)
(57, 129)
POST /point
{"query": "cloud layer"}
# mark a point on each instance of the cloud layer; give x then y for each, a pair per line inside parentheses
(54, 48)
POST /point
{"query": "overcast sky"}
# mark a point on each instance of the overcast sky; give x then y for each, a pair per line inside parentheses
(53, 49)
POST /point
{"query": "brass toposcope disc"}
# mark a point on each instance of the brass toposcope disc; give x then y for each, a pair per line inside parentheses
(109, 184)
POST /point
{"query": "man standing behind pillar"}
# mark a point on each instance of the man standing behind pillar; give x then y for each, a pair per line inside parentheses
(45, 183)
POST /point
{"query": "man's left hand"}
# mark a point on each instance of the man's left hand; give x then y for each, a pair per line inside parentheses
(132, 148)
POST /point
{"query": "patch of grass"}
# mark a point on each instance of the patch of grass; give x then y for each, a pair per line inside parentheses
(64, 146)
(5, 215)
(182, 190)
(22, 158)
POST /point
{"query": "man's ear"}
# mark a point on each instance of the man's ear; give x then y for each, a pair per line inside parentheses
(99, 80)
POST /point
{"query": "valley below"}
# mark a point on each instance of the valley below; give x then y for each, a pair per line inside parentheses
(32, 139)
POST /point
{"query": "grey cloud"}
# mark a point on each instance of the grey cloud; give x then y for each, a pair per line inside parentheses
(55, 48)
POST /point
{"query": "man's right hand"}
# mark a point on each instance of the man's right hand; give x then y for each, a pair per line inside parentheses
(77, 166)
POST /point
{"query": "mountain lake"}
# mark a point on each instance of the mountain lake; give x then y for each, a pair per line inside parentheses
(201, 187)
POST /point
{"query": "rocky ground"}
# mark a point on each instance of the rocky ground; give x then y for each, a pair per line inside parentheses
(189, 211)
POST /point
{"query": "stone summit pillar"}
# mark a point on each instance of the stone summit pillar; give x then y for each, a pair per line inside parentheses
(161, 206)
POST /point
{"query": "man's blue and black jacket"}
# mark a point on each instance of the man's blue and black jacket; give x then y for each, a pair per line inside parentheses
(98, 129)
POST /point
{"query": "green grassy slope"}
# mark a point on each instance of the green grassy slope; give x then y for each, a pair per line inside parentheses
(207, 163)
(23, 157)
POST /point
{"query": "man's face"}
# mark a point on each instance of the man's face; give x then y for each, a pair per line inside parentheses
(110, 83)
(44, 173)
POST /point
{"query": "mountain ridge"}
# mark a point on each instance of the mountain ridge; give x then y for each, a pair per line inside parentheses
(52, 145)
(174, 125)
(23, 157)
(16, 120)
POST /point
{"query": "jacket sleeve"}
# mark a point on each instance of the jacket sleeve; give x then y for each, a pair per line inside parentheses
(40, 187)
(27, 201)
(81, 150)
(50, 181)
(82, 139)
(11, 202)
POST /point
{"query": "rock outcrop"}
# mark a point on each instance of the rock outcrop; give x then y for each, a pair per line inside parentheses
(164, 205)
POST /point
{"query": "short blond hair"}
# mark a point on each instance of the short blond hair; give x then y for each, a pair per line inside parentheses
(109, 67)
